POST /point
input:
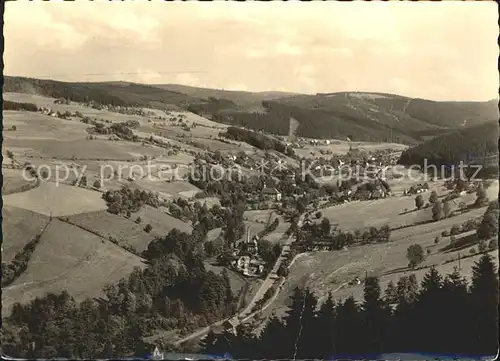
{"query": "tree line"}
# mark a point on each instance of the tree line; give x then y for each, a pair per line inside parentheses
(258, 140)
(8, 105)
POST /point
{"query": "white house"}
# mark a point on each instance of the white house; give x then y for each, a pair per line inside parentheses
(157, 354)
(272, 193)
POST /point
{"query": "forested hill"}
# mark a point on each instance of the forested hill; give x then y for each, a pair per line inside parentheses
(354, 115)
(477, 144)
(242, 98)
(105, 93)
(363, 116)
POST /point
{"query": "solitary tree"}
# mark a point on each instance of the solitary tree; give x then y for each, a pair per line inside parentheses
(97, 184)
(325, 226)
(433, 197)
(419, 201)
(446, 209)
(391, 293)
(481, 199)
(437, 211)
(148, 228)
(488, 227)
(415, 254)
(44, 174)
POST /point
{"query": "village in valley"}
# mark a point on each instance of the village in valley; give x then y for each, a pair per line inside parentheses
(306, 200)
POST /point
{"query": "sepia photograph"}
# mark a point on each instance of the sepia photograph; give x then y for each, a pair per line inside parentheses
(250, 180)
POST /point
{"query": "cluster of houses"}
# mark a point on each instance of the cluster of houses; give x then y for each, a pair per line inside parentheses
(416, 189)
(302, 142)
(245, 257)
(47, 111)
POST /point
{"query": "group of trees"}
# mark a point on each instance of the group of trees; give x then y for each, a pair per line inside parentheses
(126, 200)
(488, 228)
(441, 315)
(174, 291)
(122, 130)
(12, 270)
(8, 105)
(442, 209)
(257, 139)
(323, 232)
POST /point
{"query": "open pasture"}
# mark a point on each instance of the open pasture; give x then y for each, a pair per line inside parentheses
(217, 145)
(82, 149)
(108, 225)
(69, 258)
(330, 271)
(168, 189)
(47, 102)
(257, 221)
(37, 126)
(14, 182)
(58, 200)
(161, 222)
(19, 227)
(199, 120)
(342, 147)
(394, 211)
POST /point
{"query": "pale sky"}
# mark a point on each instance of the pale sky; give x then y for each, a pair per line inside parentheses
(440, 51)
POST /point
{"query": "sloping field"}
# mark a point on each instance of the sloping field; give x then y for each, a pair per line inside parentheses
(58, 200)
(255, 227)
(108, 225)
(14, 182)
(194, 118)
(37, 126)
(342, 147)
(81, 148)
(19, 226)
(258, 220)
(214, 145)
(329, 271)
(161, 222)
(73, 107)
(376, 213)
(445, 269)
(69, 258)
(168, 189)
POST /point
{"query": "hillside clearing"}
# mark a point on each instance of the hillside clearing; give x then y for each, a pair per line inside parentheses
(328, 271)
(19, 226)
(161, 222)
(68, 258)
(119, 228)
(56, 200)
(14, 182)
